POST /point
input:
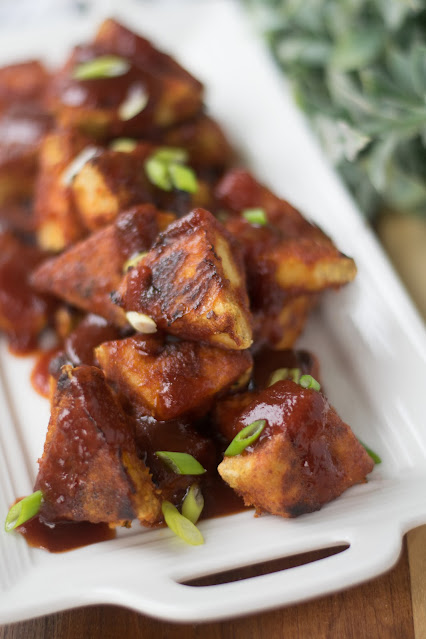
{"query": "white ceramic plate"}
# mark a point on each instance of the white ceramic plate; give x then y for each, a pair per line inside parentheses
(369, 339)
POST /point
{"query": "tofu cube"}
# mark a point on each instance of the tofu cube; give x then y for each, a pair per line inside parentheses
(166, 93)
(87, 273)
(192, 284)
(305, 456)
(90, 470)
(172, 379)
(57, 222)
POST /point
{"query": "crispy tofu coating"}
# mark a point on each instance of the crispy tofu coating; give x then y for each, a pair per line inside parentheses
(305, 457)
(57, 222)
(169, 380)
(177, 435)
(289, 251)
(87, 273)
(110, 182)
(23, 311)
(168, 93)
(114, 180)
(90, 470)
(192, 284)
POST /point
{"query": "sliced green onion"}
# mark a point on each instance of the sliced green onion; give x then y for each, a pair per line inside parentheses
(135, 102)
(158, 173)
(183, 178)
(181, 463)
(165, 168)
(75, 166)
(193, 504)
(307, 381)
(245, 437)
(132, 261)
(285, 373)
(180, 525)
(106, 66)
(23, 510)
(374, 456)
(125, 145)
(255, 216)
(170, 154)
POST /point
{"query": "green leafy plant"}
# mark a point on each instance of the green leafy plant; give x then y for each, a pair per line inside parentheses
(358, 69)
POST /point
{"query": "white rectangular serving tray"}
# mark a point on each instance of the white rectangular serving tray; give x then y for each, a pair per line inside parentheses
(370, 342)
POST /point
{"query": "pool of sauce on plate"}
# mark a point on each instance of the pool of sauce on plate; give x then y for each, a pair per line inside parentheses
(61, 537)
(220, 500)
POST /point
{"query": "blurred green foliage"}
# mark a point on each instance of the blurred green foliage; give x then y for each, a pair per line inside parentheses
(358, 69)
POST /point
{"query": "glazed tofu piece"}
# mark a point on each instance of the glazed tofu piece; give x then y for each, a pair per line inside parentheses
(22, 127)
(57, 222)
(192, 284)
(114, 180)
(24, 312)
(110, 182)
(280, 323)
(203, 138)
(146, 89)
(170, 380)
(289, 250)
(23, 82)
(177, 435)
(88, 273)
(305, 456)
(90, 470)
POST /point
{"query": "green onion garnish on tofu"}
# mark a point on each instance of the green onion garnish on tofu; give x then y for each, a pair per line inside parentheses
(166, 169)
(285, 373)
(183, 178)
(180, 525)
(135, 102)
(23, 510)
(245, 437)
(374, 456)
(124, 145)
(181, 463)
(106, 66)
(193, 504)
(255, 216)
(307, 381)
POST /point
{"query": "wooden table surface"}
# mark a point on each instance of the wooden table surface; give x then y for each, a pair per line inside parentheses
(392, 606)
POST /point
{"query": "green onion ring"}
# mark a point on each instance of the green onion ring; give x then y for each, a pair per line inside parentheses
(245, 437)
(23, 510)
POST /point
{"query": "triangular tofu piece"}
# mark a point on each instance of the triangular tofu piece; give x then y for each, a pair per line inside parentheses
(169, 380)
(288, 252)
(305, 456)
(90, 470)
(87, 273)
(192, 284)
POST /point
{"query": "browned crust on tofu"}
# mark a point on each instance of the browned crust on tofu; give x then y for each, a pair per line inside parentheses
(58, 224)
(305, 457)
(170, 380)
(90, 271)
(89, 470)
(173, 94)
(192, 284)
